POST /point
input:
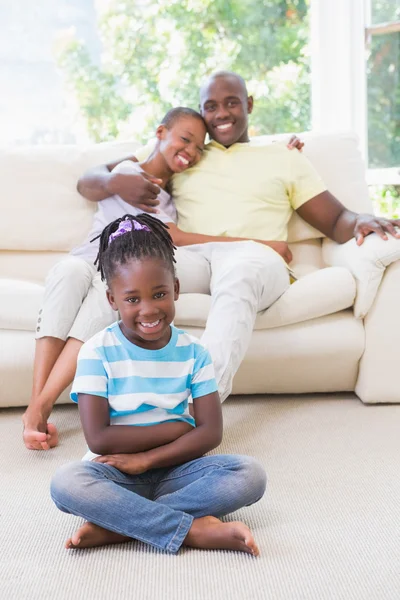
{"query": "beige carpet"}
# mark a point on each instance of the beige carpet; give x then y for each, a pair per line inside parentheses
(328, 527)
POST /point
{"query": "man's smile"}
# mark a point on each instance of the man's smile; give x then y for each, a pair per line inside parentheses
(224, 126)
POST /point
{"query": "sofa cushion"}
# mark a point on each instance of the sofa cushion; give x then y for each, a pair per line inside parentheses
(367, 263)
(317, 294)
(41, 182)
(20, 302)
(28, 266)
(337, 159)
(320, 293)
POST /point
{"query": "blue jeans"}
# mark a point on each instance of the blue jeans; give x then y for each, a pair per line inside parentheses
(158, 507)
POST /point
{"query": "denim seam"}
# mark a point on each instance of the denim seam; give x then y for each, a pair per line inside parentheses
(171, 544)
(185, 524)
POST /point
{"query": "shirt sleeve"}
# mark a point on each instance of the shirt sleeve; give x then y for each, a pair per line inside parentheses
(144, 151)
(203, 376)
(305, 183)
(91, 376)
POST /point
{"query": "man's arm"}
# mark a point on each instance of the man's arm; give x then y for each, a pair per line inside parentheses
(184, 238)
(139, 190)
(206, 436)
(103, 438)
(328, 215)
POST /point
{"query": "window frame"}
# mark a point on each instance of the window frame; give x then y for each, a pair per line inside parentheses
(388, 175)
(340, 33)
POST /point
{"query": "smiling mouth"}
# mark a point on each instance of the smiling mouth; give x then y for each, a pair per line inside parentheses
(184, 161)
(224, 126)
(150, 325)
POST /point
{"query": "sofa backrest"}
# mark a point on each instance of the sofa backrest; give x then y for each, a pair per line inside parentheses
(337, 159)
(42, 211)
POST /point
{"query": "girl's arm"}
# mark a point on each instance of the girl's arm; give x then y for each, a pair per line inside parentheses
(103, 438)
(206, 436)
(184, 238)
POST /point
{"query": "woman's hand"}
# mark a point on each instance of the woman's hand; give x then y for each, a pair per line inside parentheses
(295, 142)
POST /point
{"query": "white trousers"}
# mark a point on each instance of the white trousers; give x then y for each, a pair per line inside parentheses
(75, 303)
(243, 279)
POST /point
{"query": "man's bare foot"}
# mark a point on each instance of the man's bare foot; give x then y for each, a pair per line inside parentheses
(90, 535)
(37, 434)
(210, 532)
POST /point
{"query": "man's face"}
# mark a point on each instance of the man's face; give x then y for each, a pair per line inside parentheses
(225, 107)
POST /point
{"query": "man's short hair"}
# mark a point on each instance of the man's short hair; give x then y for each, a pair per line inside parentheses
(225, 74)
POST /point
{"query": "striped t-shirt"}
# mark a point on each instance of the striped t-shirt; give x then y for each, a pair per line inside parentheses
(144, 387)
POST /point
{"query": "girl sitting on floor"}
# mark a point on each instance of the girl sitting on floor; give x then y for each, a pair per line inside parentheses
(145, 476)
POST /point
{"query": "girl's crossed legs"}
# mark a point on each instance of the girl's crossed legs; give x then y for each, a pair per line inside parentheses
(166, 508)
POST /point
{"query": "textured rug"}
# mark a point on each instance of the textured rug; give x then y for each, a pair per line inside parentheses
(328, 526)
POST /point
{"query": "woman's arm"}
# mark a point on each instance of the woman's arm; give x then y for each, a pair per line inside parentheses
(103, 438)
(183, 238)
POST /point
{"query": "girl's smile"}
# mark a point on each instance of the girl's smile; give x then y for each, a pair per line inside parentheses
(144, 292)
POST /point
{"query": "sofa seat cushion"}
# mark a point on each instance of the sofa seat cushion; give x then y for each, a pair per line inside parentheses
(317, 294)
(20, 302)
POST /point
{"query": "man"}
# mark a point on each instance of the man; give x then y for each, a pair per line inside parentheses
(240, 190)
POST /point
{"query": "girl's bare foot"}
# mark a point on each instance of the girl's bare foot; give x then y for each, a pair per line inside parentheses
(210, 532)
(90, 535)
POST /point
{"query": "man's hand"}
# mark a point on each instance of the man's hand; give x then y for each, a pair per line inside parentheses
(295, 142)
(138, 190)
(281, 248)
(132, 464)
(367, 224)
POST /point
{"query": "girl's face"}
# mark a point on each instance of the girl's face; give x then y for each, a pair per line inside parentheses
(182, 145)
(144, 292)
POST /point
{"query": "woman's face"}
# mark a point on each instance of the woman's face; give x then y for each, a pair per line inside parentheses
(182, 145)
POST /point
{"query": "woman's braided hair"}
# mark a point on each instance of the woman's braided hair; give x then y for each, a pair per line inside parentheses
(151, 241)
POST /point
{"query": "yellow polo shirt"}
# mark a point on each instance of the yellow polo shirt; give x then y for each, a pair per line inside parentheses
(248, 190)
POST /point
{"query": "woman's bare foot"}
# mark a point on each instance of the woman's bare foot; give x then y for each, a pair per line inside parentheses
(210, 532)
(34, 434)
(90, 535)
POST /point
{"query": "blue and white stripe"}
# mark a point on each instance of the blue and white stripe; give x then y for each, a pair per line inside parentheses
(144, 387)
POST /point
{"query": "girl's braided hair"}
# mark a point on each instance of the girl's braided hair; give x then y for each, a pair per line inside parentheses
(148, 238)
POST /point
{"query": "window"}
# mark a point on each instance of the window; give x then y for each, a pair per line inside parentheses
(102, 69)
(383, 105)
(383, 91)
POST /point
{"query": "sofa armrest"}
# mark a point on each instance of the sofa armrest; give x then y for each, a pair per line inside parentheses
(378, 379)
(367, 264)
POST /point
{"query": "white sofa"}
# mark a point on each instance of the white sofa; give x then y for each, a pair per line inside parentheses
(336, 329)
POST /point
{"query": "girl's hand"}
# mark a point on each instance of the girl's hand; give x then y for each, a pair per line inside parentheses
(131, 464)
(295, 142)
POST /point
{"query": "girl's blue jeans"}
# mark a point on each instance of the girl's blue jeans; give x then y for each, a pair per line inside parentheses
(159, 506)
